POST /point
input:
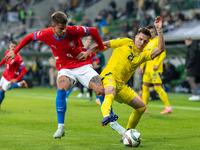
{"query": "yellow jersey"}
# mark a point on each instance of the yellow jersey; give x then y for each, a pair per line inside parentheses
(125, 59)
(158, 61)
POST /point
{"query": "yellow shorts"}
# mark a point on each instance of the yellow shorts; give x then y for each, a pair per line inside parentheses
(124, 94)
(152, 77)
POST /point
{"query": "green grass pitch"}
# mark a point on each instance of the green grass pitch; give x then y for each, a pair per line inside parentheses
(28, 122)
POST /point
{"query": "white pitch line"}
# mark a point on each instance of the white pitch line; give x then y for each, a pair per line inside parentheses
(178, 107)
(75, 99)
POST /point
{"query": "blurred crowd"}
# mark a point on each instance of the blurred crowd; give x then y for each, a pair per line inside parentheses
(140, 12)
(135, 14)
(144, 12)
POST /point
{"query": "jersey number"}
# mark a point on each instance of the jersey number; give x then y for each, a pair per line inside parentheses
(130, 57)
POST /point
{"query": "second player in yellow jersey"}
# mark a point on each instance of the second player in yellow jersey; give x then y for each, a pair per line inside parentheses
(153, 74)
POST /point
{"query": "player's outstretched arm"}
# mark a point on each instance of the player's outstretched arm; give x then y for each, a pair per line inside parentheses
(2, 62)
(84, 55)
(96, 37)
(161, 43)
(25, 41)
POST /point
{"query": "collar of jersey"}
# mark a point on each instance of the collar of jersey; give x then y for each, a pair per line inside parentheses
(136, 50)
(58, 38)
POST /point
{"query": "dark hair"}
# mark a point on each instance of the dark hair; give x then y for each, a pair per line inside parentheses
(145, 31)
(189, 39)
(150, 27)
(59, 17)
(13, 42)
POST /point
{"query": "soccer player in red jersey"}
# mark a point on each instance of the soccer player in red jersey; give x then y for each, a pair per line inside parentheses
(87, 42)
(11, 75)
(65, 42)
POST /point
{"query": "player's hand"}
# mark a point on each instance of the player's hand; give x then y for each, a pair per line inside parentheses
(155, 67)
(158, 23)
(82, 56)
(13, 81)
(141, 70)
(95, 65)
(10, 55)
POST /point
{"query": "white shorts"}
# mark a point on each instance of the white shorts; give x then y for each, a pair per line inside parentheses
(5, 84)
(83, 74)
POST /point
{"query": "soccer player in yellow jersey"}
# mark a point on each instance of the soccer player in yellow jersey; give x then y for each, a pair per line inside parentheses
(153, 72)
(125, 59)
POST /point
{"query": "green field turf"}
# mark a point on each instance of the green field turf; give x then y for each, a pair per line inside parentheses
(28, 122)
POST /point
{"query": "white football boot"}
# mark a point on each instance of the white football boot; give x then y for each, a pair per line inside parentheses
(80, 95)
(60, 132)
(117, 127)
(194, 98)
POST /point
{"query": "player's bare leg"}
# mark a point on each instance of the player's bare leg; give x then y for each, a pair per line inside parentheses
(96, 85)
(63, 84)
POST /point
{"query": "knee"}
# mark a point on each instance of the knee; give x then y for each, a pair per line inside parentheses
(100, 91)
(145, 88)
(143, 105)
(61, 87)
(1, 89)
(142, 109)
(157, 88)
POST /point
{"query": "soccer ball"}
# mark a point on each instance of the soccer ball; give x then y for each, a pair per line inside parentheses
(132, 138)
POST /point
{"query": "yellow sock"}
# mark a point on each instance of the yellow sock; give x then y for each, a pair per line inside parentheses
(145, 94)
(162, 94)
(135, 117)
(106, 106)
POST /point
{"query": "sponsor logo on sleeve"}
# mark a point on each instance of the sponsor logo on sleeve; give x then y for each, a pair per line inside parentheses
(84, 28)
(38, 33)
(22, 64)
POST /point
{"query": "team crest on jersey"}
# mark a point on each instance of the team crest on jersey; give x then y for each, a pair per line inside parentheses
(71, 44)
(12, 61)
(111, 80)
(154, 76)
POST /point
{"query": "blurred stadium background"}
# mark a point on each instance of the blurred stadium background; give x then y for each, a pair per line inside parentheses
(112, 18)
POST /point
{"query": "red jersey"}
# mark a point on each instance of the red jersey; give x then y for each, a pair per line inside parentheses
(67, 48)
(12, 67)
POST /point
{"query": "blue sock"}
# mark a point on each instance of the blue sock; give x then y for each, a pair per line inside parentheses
(68, 93)
(101, 98)
(14, 86)
(61, 106)
(101, 101)
(2, 94)
(96, 96)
